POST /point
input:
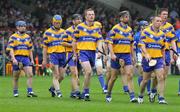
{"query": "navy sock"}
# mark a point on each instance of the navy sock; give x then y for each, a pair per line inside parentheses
(101, 80)
(149, 86)
(132, 95)
(160, 98)
(154, 90)
(125, 88)
(29, 90)
(15, 91)
(86, 91)
(106, 87)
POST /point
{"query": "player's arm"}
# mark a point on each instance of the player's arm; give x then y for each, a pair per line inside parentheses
(109, 40)
(10, 48)
(31, 51)
(66, 40)
(173, 44)
(75, 36)
(141, 44)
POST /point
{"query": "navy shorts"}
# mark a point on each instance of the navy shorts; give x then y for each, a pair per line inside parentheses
(125, 56)
(25, 60)
(87, 55)
(147, 68)
(58, 59)
(71, 62)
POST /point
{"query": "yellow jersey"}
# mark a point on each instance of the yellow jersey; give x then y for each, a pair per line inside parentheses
(153, 42)
(87, 36)
(52, 40)
(168, 29)
(21, 44)
(70, 38)
(121, 38)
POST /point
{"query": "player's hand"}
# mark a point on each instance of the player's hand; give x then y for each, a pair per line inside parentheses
(32, 62)
(44, 63)
(172, 61)
(121, 62)
(148, 58)
(133, 61)
(14, 61)
(99, 55)
(74, 57)
(105, 59)
(113, 57)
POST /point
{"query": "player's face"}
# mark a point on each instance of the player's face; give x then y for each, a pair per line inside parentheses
(57, 25)
(90, 16)
(157, 22)
(77, 21)
(164, 15)
(125, 19)
(21, 29)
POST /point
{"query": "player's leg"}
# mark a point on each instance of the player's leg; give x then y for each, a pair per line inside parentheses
(29, 72)
(54, 60)
(124, 80)
(146, 77)
(128, 69)
(108, 74)
(99, 69)
(161, 85)
(129, 73)
(15, 82)
(16, 73)
(74, 82)
(111, 83)
(115, 66)
(87, 76)
(154, 85)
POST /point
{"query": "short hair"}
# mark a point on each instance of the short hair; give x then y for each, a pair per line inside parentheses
(123, 13)
(161, 10)
(155, 17)
(76, 16)
(89, 9)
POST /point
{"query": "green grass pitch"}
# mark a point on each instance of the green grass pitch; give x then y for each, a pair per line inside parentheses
(45, 103)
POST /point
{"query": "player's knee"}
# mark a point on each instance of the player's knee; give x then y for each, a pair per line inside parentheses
(160, 77)
(29, 74)
(16, 78)
(73, 72)
(129, 76)
(113, 78)
(61, 77)
(88, 72)
(55, 76)
(145, 81)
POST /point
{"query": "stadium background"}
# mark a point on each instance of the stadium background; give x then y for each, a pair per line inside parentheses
(38, 14)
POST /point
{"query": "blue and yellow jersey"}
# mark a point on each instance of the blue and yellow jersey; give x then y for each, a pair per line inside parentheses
(87, 36)
(121, 38)
(21, 44)
(52, 40)
(154, 42)
(70, 39)
(168, 29)
(178, 40)
(136, 41)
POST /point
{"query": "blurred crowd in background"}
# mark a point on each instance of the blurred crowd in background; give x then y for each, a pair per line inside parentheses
(38, 14)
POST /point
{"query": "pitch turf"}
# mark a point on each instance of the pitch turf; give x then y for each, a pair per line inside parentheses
(45, 103)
